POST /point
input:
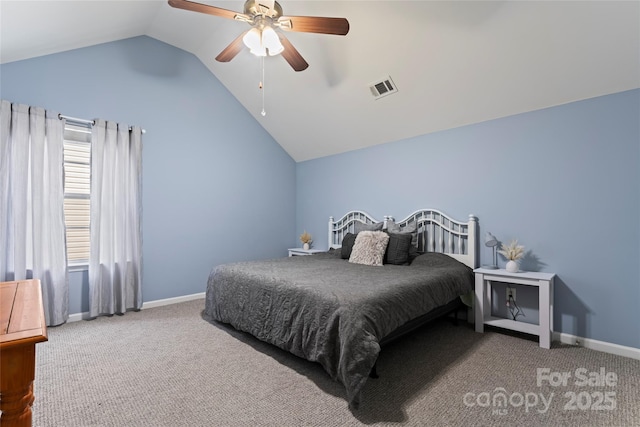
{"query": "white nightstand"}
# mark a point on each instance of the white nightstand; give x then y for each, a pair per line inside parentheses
(544, 282)
(300, 251)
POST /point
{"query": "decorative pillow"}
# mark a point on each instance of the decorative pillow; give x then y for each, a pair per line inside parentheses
(359, 226)
(398, 249)
(369, 248)
(347, 245)
(392, 227)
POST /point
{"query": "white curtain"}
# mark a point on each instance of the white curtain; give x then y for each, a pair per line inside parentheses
(32, 230)
(115, 260)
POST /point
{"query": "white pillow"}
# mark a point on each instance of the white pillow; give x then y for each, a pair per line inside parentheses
(369, 248)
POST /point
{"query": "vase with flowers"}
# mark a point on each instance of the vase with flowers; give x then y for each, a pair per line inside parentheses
(305, 238)
(513, 252)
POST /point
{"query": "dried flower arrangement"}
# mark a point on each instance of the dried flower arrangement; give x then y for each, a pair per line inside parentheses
(513, 251)
(305, 237)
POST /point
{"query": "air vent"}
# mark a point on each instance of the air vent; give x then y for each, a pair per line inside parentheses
(383, 88)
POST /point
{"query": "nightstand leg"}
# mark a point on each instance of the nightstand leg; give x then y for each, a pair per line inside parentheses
(479, 303)
(545, 318)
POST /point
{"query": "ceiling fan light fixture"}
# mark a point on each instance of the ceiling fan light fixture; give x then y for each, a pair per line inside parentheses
(261, 41)
(259, 52)
(271, 41)
(253, 40)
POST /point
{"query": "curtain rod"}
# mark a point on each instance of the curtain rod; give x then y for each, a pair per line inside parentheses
(84, 121)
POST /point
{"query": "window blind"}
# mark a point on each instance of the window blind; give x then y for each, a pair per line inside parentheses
(77, 192)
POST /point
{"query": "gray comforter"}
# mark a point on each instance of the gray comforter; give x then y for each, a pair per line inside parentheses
(327, 310)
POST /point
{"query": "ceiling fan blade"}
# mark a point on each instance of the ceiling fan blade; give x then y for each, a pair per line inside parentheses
(292, 56)
(210, 10)
(234, 48)
(314, 24)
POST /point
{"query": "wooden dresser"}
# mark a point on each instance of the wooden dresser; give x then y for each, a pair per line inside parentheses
(23, 325)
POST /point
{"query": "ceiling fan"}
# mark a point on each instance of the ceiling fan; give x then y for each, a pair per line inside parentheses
(264, 16)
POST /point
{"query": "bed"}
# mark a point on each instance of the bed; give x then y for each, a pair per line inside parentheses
(327, 309)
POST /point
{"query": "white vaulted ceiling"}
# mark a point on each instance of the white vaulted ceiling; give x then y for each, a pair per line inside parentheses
(454, 62)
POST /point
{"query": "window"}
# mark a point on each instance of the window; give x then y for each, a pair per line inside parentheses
(77, 191)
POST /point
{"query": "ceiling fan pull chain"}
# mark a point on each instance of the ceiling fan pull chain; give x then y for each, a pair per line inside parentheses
(264, 113)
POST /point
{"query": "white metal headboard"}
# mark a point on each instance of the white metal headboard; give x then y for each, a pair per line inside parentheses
(437, 232)
(338, 229)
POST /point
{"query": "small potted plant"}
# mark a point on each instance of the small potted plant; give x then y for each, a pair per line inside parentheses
(513, 252)
(305, 238)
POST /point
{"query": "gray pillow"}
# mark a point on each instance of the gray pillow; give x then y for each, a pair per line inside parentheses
(398, 249)
(411, 229)
(359, 226)
(347, 245)
(369, 248)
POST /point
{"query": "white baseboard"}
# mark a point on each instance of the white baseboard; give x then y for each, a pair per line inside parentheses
(150, 304)
(78, 316)
(174, 300)
(607, 347)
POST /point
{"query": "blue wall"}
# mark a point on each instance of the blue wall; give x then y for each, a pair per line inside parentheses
(564, 181)
(216, 186)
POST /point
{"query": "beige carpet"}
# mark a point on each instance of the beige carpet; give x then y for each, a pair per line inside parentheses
(167, 367)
